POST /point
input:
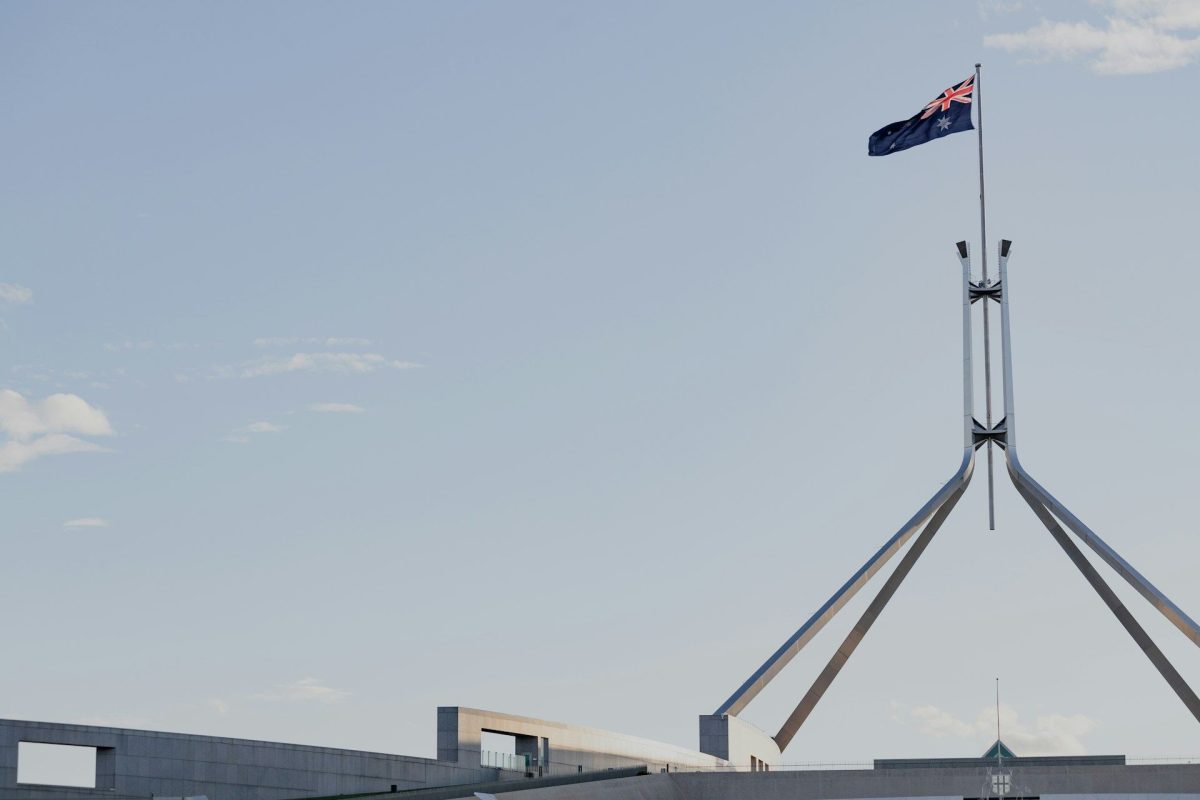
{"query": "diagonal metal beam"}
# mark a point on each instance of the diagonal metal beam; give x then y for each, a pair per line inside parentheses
(859, 631)
(1144, 587)
(1123, 568)
(958, 482)
(781, 657)
(1160, 662)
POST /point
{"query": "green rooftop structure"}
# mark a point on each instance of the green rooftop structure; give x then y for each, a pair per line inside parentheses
(998, 750)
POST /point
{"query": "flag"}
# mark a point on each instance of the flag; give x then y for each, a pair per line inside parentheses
(949, 113)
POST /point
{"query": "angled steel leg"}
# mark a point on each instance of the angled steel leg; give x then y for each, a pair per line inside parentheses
(773, 665)
(953, 487)
(852, 640)
(1123, 568)
(1164, 667)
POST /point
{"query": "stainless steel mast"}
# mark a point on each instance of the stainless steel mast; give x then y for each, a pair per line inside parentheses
(987, 337)
(930, 518)
(931, 515)
(1047, 507)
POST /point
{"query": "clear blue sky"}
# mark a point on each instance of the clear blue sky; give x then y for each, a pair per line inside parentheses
(560, 359)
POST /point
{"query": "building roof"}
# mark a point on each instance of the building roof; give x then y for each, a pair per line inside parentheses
(998, 750)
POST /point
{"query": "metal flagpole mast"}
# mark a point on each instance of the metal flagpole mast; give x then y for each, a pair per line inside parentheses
(987, 342)
(933, 514)
(999, 751)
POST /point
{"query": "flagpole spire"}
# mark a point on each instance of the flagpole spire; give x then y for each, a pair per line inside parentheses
(999, 749)
(987, 342)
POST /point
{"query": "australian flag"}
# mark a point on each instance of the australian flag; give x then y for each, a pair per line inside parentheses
(949, 113)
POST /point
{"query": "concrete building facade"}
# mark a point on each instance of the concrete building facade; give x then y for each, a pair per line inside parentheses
(149, 764)
(556, 747)
(138, 763)
(1100, 782)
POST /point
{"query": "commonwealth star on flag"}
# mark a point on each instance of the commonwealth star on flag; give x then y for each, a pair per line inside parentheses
(948, 113)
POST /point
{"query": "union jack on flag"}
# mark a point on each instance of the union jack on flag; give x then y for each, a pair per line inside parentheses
(949, 112)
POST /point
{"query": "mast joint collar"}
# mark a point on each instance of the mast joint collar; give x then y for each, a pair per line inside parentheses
(988, 291)
(981, 434)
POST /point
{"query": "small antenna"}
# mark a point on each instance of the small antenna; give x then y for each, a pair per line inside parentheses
(999, 747)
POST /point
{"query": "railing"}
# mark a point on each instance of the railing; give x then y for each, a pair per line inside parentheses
(804, 765)
(510, 761)
(848, 765)
(521, 763)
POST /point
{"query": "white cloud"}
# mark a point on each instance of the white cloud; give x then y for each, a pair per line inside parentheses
(303, 690)
(325, 361)
(86, 522)
(17, 295)
(327, 341)
(336, 408)
(1052, 734)
(321, 362)
(16, 454)
(932, 721)
(129, 344)
(58, 413)
(242, 434)
(1138, 37)
(994, 8)
(64, 379)
(41, 429)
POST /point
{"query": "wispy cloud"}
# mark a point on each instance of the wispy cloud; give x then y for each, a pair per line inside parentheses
(336, 408)
(14, 294)
(86, 522)
(45, 428)
(1051, 734)
(995, 8)
(343, 362)
(14, 454)
(218, 705)
(932, 721)
(147, 344)
(242, 435)
(321, 362)
(326, 341)
(1136, 37)
(129, 344)
(303, 690)
(67, 378)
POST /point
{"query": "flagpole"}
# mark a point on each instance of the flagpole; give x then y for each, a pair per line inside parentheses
(999, 749)
(987, 343)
